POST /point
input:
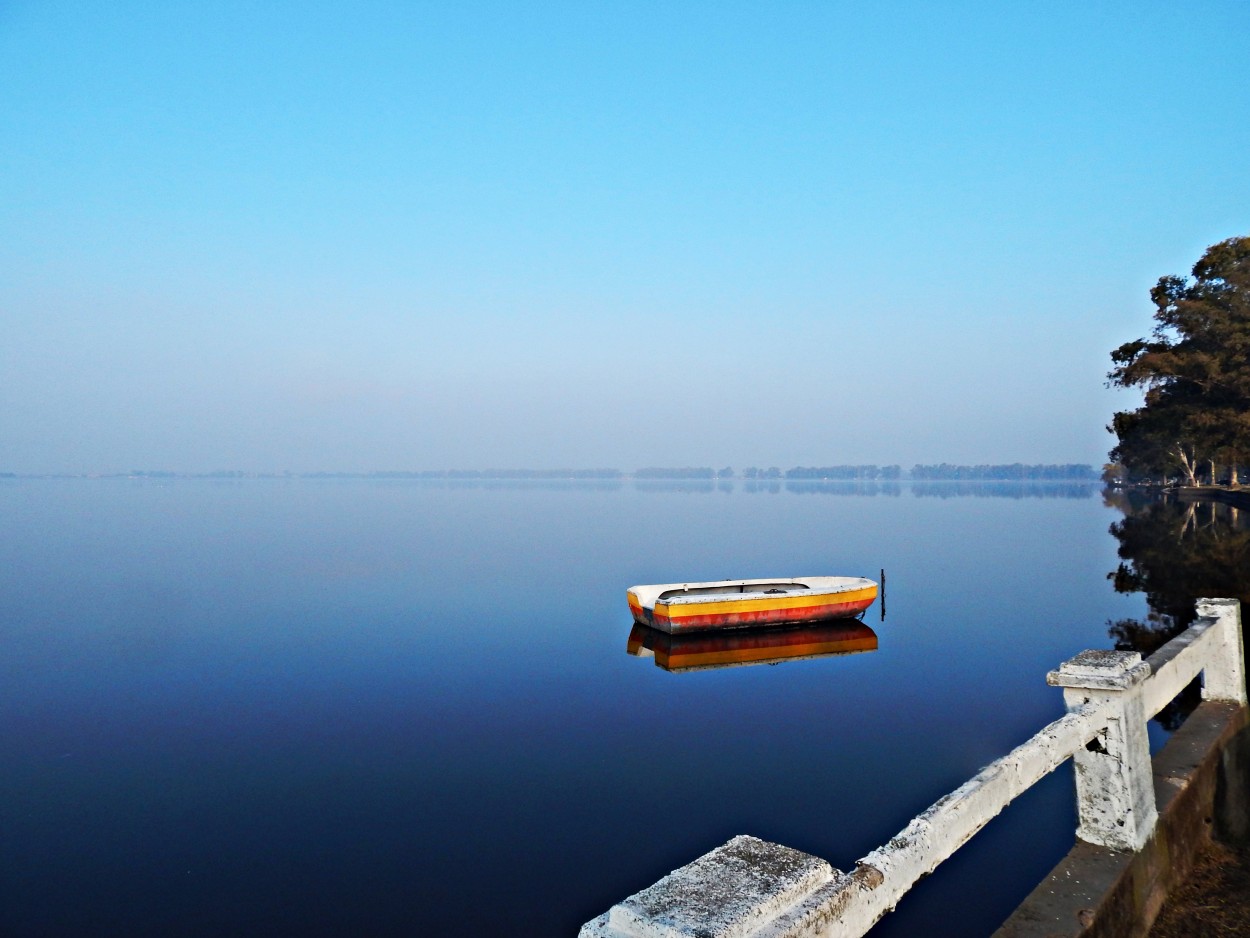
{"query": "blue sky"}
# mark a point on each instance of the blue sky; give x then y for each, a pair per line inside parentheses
(421, 235)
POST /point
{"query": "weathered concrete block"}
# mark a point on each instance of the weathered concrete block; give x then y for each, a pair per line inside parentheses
(1225, 675)
(1115, 800)
(737, 890)
(1101, 670)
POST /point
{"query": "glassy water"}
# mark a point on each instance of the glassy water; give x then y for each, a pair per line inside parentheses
(407, 708)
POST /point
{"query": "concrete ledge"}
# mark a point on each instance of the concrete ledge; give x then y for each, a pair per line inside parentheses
(1095, 892)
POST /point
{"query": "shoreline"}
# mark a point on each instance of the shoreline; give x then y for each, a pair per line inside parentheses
(1238, 497)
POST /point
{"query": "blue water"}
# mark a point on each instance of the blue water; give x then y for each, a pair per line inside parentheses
(405, 708)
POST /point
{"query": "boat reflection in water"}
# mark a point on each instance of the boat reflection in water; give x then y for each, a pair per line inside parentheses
(704, 650)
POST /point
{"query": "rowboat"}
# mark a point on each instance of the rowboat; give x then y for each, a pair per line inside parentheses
(701, 651)
(738, 604)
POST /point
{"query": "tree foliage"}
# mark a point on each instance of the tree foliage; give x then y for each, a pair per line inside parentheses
(1194, 369)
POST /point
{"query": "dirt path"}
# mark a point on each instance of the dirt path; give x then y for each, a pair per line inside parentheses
(1214, 902)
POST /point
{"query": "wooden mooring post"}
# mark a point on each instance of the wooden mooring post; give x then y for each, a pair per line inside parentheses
(749, 888)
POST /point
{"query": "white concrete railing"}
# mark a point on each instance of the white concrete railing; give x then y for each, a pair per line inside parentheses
(749, 888)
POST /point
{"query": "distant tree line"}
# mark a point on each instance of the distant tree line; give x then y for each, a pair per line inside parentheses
(687, 472)
(472, 474)
(845, 472)
(1194, 369)
(1010, 472)
(1004, 488)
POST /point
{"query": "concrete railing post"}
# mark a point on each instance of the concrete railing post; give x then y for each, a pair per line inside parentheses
(1114, 786)
(1224, 676)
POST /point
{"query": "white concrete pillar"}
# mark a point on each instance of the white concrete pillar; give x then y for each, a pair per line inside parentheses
(1224, 676)
(1114, 786)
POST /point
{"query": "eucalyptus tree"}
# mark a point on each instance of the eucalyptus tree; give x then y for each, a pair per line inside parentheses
(1194, 369)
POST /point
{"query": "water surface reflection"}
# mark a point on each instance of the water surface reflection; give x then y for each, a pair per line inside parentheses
(702, 651)
(332, 707)
(1175, 551)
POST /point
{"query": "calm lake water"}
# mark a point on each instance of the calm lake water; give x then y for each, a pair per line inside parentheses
(406, 708)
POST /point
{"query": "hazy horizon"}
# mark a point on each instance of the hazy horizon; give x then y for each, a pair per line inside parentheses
(319, 238)
(502, 472)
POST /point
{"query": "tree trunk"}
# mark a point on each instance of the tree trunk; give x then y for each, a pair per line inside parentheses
(1187, 463)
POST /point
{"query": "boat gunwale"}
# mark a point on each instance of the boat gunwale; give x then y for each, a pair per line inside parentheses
(651, 596)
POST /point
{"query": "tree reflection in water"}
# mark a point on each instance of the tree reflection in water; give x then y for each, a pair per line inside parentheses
(1176, 551)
